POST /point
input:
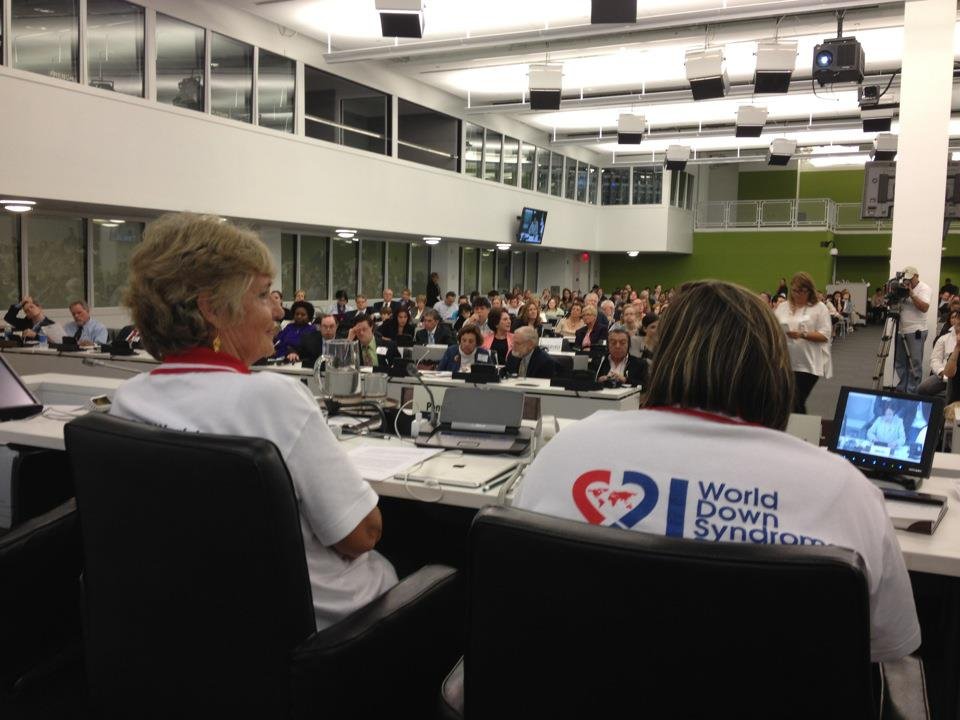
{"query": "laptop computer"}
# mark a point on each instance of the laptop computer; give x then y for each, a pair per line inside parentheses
(16, 400)
(480, 420)
(459, 471)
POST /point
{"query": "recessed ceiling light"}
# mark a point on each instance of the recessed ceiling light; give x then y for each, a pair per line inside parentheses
(118, 222)
(346, 234)
(18, 202)
(345, 230)
(18, 208)
(503, 246)
(431, 240)
(633, 253)
(109, 224)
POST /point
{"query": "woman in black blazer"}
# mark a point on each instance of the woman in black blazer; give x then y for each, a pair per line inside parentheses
(399, 324)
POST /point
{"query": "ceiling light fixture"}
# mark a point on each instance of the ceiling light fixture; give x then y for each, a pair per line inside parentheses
(706, 73)
(884, 147)
(433, 240)
(677, 157)
(775, 63)
(546, 82)
(18, 208)
(781, 150)
(118, 222)
(630, 129)
(503, 246)
(633, 253)
(401, 18)
(750, 120)
(613, 11)
(110, 224)
(18, 202)
(346, 234)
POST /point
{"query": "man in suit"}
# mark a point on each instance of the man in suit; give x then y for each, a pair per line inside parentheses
(84, 329)
(312, 344)
(434, 332)
(375, 351)
(387, 300)
(350, 319)
(619, 367)
(527, 358)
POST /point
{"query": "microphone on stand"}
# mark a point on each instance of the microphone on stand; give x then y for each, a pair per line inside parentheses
(91, 362)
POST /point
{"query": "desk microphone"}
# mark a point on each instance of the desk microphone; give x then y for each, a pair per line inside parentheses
(91, 362)
(413, 372)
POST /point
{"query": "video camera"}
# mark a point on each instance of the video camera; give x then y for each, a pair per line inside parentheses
(897, 289)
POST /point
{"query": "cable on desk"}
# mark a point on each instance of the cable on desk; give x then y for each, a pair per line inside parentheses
(61, 415)
(411, 493)
(396, 420)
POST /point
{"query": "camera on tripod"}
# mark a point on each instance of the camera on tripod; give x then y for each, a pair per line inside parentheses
(897, 289)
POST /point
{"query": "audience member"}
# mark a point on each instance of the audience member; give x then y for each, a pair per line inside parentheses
(33, 319)
(387, 301)
(278, 297)
(608, 308)
(468, 351)
(399, 324)
(717, 404)
(593, 332)
(806, 322)
(433, 290)
(448, 307)
(293, 333)
(375, 351)
(500, 342)
(207, 320)
(299, 295)
(568, 326)
(312, 345)
(84, 329)
(943, 348)
(416, 313)
(341, 308)
(434, 332)
(527, 358)
(552, 310)
(513, 303)
(619, 367)
(478, 318)
(361, 310)
(528, 316)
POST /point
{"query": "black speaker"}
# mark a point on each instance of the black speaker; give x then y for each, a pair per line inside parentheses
(613, 11)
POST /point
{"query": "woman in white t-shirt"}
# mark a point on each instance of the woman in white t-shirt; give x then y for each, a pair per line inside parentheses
(697, 461)
(199, 292)
(806, 322)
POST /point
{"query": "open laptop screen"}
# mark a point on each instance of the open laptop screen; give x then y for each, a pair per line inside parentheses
(481, 408)
(16, 401)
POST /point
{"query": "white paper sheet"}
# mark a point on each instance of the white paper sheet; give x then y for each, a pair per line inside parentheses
(376, 462)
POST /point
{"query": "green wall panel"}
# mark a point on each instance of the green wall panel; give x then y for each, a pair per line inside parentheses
(755, 259)
(842, 186)
(769, 185)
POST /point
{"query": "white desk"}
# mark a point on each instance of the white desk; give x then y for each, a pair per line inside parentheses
(34, 360)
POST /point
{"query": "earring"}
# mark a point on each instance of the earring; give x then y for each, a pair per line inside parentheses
(216, 344)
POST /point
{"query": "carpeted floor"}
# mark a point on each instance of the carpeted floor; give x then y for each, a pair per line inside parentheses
(854, 364)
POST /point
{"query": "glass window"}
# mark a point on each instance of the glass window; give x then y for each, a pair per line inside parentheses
(491, 156)
(503, 270)
(681, 179)
(9, 270)
(346, 113)
(543, 170)
(473, 152)
(115, 46)
(530, 275)
(689, 191)
(582, 181)
(371, 268)
(570, 186)
(674, 185)
(314, 253)
(511, 156)
(468, 275)
(593, 178)
(56, 267)
(288, 264)
(344, 260)
(556, 174)
(112, 248)
(397, 266)
(615, 186)
(647, 185)
(180, 60)
(231, 78)
(427, 137)
(487, 271)
(516, 278)
(420, 264)
(45, 37)
(276, 90)
(527, 155)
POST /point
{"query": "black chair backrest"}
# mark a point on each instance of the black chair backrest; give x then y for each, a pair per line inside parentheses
(40, 566)
(196, 587)
(575, 620)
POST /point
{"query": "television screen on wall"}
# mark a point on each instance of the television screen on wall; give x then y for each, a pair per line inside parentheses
(532, 222)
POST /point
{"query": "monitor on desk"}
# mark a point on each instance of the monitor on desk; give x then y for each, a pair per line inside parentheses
(887, 434)
(16, 400)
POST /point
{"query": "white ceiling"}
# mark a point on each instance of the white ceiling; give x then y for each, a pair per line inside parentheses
(479, 50)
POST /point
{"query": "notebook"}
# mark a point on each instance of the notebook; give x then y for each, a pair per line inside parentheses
(480, 420)
(914, 511)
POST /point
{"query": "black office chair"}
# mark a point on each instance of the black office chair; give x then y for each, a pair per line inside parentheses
(40, 566)
(197, 599)
(567, 619)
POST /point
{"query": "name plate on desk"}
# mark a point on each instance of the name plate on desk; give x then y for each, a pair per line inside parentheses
(914, 511)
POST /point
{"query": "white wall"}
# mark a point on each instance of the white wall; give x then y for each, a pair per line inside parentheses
(721, 185)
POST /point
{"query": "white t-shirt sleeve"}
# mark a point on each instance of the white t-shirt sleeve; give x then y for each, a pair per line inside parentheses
(333, 496)
(822, 321)
(923, 292)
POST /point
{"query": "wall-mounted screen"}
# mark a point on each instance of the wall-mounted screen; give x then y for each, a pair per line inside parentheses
(532, 222)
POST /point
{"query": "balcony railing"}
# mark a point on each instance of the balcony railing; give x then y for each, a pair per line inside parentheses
(813, 213)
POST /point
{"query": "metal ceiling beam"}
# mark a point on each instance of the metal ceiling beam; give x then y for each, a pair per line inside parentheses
(531, 41)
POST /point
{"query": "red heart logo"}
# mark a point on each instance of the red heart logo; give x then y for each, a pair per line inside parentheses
(598, 502)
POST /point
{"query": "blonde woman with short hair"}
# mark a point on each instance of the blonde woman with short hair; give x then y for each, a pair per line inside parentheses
(199, 292)
(806, 322)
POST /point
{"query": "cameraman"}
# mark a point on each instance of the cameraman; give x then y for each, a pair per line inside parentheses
(913, 330)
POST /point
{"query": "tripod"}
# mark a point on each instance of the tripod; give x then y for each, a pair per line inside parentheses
(891, 331)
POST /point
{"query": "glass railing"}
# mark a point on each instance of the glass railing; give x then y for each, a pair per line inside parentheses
(777, 214)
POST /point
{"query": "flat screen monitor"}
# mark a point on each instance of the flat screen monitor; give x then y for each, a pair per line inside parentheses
(532, 222)
(887, 433)
(16, 401)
